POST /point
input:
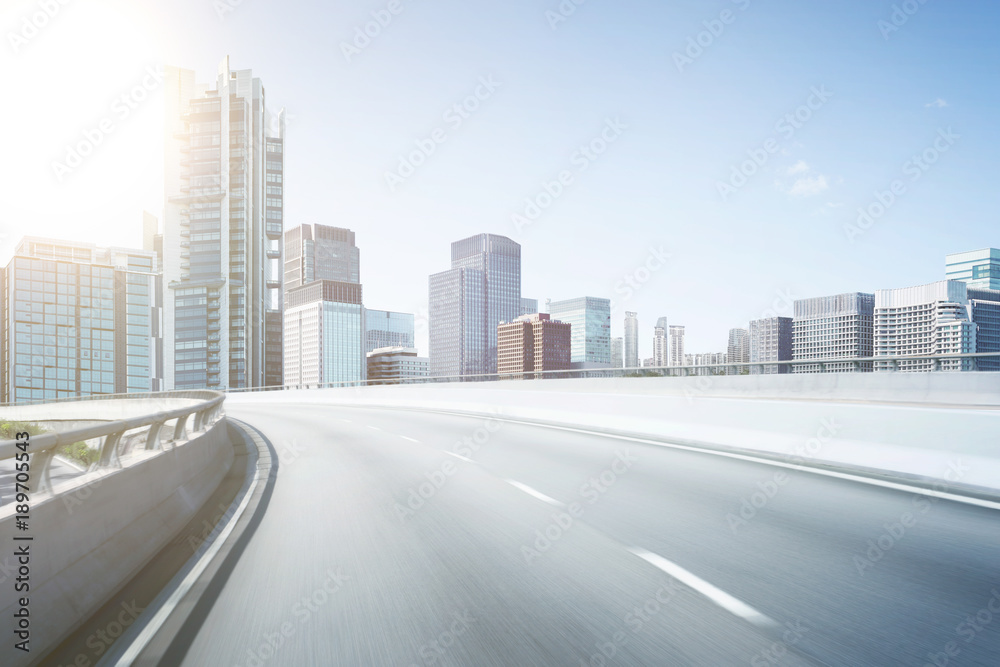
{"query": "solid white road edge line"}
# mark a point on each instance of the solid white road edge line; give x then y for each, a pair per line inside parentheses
(155, 623)
(871, 481)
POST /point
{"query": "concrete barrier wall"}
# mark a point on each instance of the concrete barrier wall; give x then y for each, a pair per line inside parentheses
(919, 424)
(92, 539)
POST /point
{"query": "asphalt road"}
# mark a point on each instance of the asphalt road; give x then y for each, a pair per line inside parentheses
(407, 538)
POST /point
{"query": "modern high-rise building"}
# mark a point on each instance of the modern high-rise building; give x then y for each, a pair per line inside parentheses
(979, 269)
(924, 320)
(590, 318)
(320, 252)
(738, 350)
(661, 348)
(152, 241)
(529, 306)
(395, 365)
(533, 343)
(456, 322)
(631, 350)
(224, 173)
(481, 290)
(384, 328)
(617, 352)
(986, 314)
(676, 333)
(77, 319)
(831, 327)
(770, 340)
(324, 333)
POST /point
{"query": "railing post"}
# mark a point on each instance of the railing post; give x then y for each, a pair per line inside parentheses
(40, 466)
(153, 437)
(109, 450)
(179, 432)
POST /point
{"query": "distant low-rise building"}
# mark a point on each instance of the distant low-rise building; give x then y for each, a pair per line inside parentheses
(533, 343)
(396, 365)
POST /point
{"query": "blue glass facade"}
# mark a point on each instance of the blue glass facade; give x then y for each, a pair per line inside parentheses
(77, 321)
(385, 328)
(979, 269)
(986, 314)
(457, 322)
(590, 318)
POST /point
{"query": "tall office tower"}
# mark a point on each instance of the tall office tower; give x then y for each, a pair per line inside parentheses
(324, 333)
(457, 319)
(152, 241)
(533, 343)
(631, 350)
(770, 340)
(529, 306)
(77, 320)
(320, 252)
(222, 234)
(395, 365)
(385, 328)
(924, 320)
(738, 350)
(499, 259)
(463, 322)
(986, 314)
(831, 327)
(661, 351)
(676, 345)
(590, 318)
(979, 269)
(617, 352)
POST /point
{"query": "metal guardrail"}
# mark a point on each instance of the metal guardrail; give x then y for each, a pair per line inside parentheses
(43, 446)
(937, 363)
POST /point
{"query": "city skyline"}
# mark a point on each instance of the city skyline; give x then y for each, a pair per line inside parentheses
(480, 175)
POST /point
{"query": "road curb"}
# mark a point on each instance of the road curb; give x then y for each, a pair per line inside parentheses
(165, 630)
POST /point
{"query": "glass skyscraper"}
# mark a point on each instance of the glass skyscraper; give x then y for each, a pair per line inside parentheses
(980, 271)
(661, 351)
(224, 174)
(77, 320)
(464, 315)
(385, 328)
(457, 317)
(324, 333)
(631, 349)
(590, 336)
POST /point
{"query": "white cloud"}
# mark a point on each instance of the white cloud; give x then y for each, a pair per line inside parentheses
(938, 103)
(799, 167)
(809, 186)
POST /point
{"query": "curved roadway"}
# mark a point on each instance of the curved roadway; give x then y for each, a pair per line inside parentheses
(409, 538)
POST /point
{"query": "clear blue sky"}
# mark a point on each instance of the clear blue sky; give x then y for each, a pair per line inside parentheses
(655, 186)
